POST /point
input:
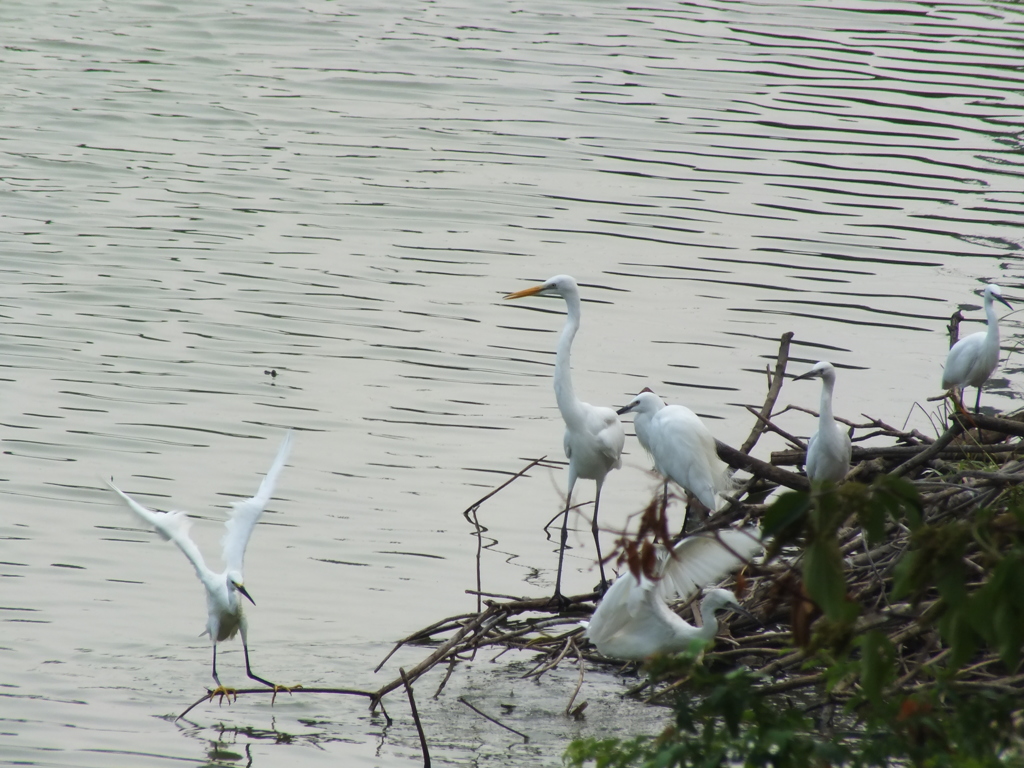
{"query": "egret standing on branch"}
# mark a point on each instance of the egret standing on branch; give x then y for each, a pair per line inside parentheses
(633, 621)
(683, 448)
(593, 435)
(972, 359)
(829, 449)
(226, 618)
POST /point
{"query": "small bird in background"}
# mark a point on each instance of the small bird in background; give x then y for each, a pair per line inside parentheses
(829, 449)
(683, 449)
(225, 616)
(593, 435)
(633, 621)
(973, 359)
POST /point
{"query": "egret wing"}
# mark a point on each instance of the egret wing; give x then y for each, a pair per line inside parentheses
(684, 450)
(962, 361)
(613, 612)
(699, 561)
(172, 526)
(611, 436)
(245, 514)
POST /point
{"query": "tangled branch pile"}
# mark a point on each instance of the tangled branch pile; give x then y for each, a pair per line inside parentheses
(891, 611)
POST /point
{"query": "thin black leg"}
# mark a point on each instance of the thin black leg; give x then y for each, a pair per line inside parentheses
(597, 540)
(248, 669)
(558, 597)
(215, 678)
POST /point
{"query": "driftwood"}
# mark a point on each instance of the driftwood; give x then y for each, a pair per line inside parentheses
(505, 624)
(535, 626)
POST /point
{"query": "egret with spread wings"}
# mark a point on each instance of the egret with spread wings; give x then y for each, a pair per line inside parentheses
(634, 621)
(225, 616)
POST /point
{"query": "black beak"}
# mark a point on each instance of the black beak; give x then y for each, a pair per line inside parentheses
(248, 597)
(808, 375)
(743, 612)
(1005, 302)
(625, 409)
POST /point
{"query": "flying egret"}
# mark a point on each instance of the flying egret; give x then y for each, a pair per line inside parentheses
(226, 618)
(593, 435)
(633, 621)
(829, 449)
(683, 448)
(972, 359)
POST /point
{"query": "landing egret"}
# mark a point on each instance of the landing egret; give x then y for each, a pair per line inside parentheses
(829, 449)
(633, 621)
(683, 448)
(226, 618)
(593, 435)
(972, 359)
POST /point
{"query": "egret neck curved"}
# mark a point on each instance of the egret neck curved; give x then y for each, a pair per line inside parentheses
(992, 332)
(568, 404)
(825, 418)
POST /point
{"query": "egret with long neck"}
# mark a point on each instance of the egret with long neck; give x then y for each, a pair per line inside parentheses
(829, 449)
(634, 621)
(973, 359)
(593, 435)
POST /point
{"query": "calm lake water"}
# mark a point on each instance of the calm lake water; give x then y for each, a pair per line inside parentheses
(193, 194)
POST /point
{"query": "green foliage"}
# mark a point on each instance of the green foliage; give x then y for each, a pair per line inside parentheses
(963, 575)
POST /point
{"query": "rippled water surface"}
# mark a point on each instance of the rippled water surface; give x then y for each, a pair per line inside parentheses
(193, 195)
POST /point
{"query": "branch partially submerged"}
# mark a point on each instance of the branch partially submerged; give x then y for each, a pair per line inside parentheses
(375, 700)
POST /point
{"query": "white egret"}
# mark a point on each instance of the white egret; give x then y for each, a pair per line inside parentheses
(972, 359)
(225, 616)
(829, 449)
(683, 448)
(593, 435)
(633, 621)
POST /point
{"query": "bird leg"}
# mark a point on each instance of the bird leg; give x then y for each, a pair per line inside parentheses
(220, 690)
(275, 686)
(559, 599)
(597, 539)
(957, 396)
(252, 675)
(977, 403)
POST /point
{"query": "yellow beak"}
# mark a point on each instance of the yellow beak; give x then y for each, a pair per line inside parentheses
(526, 292)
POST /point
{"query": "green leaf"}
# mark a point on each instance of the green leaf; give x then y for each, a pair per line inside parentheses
(824, 579)
(877, 669)
(785, 518)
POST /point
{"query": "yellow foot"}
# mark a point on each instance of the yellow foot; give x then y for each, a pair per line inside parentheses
(283, 688)
(221, 691)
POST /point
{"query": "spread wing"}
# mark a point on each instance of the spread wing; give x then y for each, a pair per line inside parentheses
(699, 561)
(172, 526)
(245, 514)
(614, 611)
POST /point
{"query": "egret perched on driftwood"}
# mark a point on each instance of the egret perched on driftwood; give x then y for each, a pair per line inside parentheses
(829, 449)
(225, 616)
(972, 359)
(683, 448)
(593, 435)
(633, 621)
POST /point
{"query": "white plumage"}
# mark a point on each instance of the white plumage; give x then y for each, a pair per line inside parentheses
(593, 434)
(973, 359)
(225, 617)
(633, 621)
(683, 449)
(829, 449)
